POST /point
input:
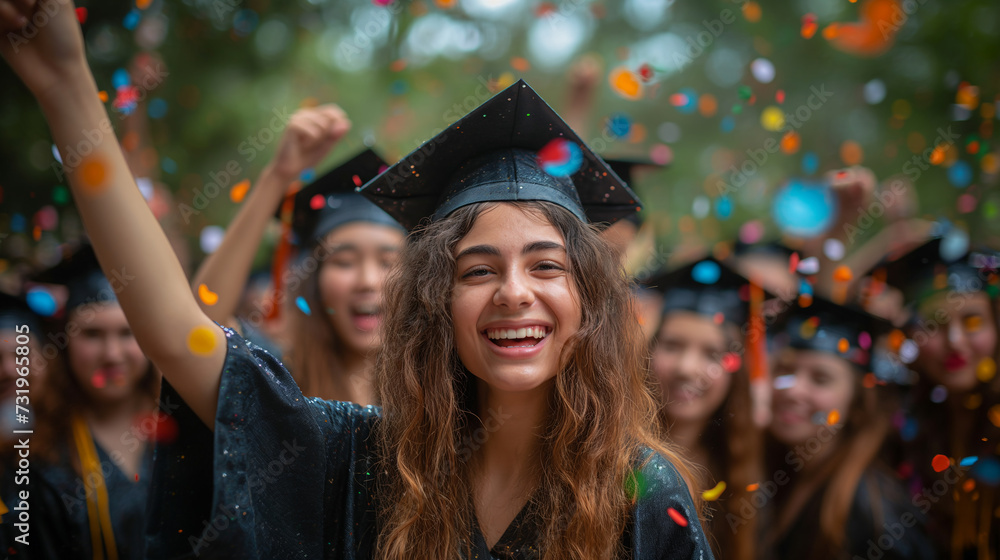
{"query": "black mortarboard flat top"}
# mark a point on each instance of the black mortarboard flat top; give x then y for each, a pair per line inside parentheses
(706, 287)
(14, 312)
(924, 272)
(81, 274)
(490, 155)
(332, 201)
(844, 331)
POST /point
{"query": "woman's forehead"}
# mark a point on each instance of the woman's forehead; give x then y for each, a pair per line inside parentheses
(509, 225)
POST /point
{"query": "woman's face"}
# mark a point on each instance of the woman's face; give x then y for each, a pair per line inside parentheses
(104, 357)
(687, 361)
(809, 385)
(514, 302)
(351, 279)
(959, 333)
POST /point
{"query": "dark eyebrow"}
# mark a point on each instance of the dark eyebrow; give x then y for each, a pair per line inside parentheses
(479, 250)
(542, 246)
(494, 252)
(340, 247)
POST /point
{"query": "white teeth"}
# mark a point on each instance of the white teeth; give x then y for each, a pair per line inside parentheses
(366, 309)
(524, 332)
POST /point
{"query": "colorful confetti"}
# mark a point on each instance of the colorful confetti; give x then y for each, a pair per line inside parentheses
(677, 517)
(303, 305)
(833, 417)
(560, 158)
(940, 463)
(239, 191)
(201, 340)
(207, 296)
(625, 83)
(714, 493)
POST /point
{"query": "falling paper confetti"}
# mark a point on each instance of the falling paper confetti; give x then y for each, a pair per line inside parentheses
(303, 305)
(714, 493)
(940, 463)
(677, 517)
(560, 158)
(706, 272)
(239, 191)
(206, 295)
(833, 417)
(201, 340)
(625, 83)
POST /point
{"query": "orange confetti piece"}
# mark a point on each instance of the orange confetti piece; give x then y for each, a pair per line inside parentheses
(677, 517)
(790, 142)
(896, 339)
(969, 485)
(842, 274)
(752, 12)
(851, 153)
(93, 175)
(986, 369)
(103, 96)
(809, 30)
(831, 31)
(143, 4)
(994, 415)
(843, 346)
(753, 487)
(201, 340)
(833, 417)
(206, 295)
(714, 493)
(239, 191)
(397, 65)
(940, 463)
(869, 381)
(625, 83)
(520, 64)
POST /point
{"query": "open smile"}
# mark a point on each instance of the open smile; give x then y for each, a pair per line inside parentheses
(520, 342)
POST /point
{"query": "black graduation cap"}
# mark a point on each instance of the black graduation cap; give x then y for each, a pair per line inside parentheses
(332, 200)
(491, 154)
(706, 287)
(14, 311)
(845, 331)
(624, 168)
(81, 274)
(927, 270)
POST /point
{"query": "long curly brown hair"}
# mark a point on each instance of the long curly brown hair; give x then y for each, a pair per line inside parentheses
(601, 409)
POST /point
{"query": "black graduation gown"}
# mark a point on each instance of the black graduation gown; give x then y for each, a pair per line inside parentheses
(59, 526)
(285, 476)
(898, 533)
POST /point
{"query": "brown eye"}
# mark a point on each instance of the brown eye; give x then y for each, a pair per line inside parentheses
(972, 323)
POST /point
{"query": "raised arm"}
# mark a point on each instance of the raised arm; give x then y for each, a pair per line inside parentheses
(167, 322)
(310, 136)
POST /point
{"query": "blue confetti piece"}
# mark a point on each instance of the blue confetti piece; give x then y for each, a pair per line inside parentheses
(691, 101)
(17, 223)
(41, 302)
(120, 78)
(727, 124)
(706, 272)
(244, 22)
(398, 87)
(805, 287)
(810, 163)
(804, 209)
(157, 108)
(960, 174)
(132, 19)
(303, 305)
(619, 125)
(968, 461)
(987, 471)
(307, 174)
(168, 165)
(723, 207)
(909, 430)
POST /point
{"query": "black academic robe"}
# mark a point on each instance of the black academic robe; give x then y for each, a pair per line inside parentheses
(285, 476)
(882, 524)
(59, 528)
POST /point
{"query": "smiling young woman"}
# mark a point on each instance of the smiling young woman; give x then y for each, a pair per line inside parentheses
(572, 469)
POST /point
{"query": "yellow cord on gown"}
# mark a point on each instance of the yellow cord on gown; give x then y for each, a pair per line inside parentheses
(98, 513)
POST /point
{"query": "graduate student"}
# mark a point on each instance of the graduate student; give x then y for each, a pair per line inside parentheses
(344, 245)
(828, 493)
(698, 361)
(952, 296)
(515, 419)
(91, 450)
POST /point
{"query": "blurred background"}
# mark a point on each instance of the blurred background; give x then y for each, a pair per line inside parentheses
(747, 105)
